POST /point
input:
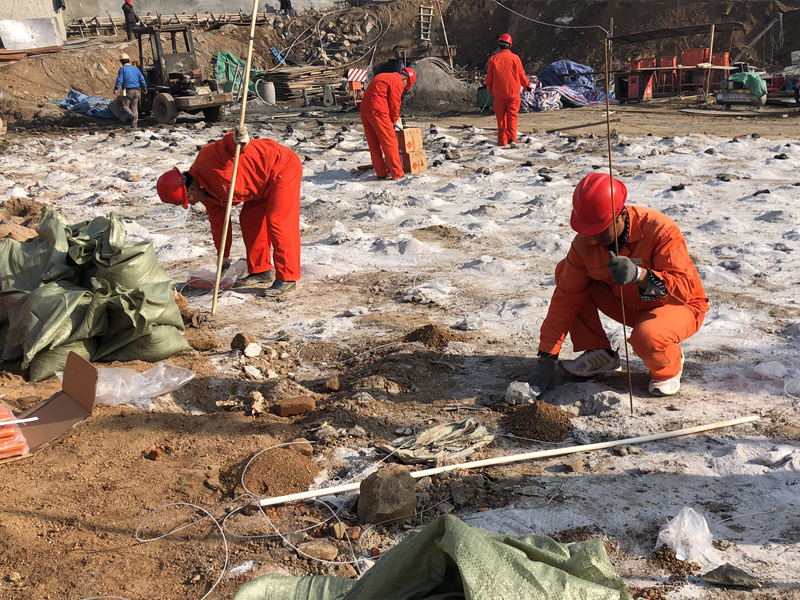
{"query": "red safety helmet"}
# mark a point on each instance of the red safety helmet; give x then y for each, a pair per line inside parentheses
(506, 38)
(411, 74)
(171, 188)
(591, 203)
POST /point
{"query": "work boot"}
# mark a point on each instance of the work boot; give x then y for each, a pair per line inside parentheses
(667, 387)
(279, 288)
(592, 362)
(263, 278)
(512, 144)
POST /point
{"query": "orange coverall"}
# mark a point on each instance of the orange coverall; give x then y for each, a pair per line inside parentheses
(268, 184)
(504, 78)
(584, 286)
(380, 110)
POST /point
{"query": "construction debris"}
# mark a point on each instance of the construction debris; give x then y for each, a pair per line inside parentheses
(387, 496)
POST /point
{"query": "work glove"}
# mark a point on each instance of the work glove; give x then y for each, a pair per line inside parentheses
(622, 269)
(398, 127)
(544, 374)
(241, 136)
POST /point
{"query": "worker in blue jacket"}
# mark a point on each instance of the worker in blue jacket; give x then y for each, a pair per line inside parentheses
(130, 82)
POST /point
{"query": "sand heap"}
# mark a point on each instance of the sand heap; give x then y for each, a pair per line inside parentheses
(437, 91)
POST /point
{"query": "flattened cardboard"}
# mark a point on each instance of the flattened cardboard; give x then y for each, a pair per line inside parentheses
(63, 410)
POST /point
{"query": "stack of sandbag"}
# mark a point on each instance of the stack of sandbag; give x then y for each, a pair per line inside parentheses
(84, 288)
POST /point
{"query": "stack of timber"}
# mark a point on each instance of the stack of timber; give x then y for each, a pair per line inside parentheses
(290, 82)
(13, 55)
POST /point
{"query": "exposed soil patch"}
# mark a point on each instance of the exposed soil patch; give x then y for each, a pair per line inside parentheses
(665, 559)
(539, 421)
(280, 471)
(21, 211)
(447, 236)
(434, 336)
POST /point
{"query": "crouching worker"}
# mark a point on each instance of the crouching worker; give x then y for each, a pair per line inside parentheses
(664, 298)
(268, 187)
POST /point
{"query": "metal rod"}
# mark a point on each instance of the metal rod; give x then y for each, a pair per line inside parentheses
(606, 45)
(513, 458)
(707, 78)
(226, 224)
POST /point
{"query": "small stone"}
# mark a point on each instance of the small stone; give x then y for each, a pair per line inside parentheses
(575, 466)
(357, 431)
(14, 577)
(152, 454)
(724, 177)
(212, 480)
(678, 187)
(303, 446)
(252, 350)
(258, 405)
(404, 431)
(782, 156)
(363, 397)
(319, 549)
(452, 154)
(200, 125)
(621, 450)
(333, 384)
(346, 570)
(354, 533)
(445, 508)
(462, 493)
(241, 340)
(729, 576)
(387, 496)
(296, 405)
(252, 372)
(355, 311)
(339, 530)
(326, 433)
(272, 374)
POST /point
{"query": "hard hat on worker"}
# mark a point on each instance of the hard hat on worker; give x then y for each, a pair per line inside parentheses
(124, 56)
(411, 74)
(171, 188)
(506, 38)
(592, 203)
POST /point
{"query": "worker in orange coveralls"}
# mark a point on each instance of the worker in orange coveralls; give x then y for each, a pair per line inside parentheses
(268, 187)
(380, 113)
(664, 298)
(505, 77)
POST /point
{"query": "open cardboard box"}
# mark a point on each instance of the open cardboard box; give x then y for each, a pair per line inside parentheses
(63, 410)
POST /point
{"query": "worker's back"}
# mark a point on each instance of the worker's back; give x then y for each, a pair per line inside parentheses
(383, 95)
(505, 75)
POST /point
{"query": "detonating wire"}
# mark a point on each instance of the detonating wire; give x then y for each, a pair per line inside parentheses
(606, 44)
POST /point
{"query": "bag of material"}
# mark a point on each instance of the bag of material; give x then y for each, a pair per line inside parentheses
(448, 559)
(49, 362)
(160, 342)
(118, 385)
(687, 535)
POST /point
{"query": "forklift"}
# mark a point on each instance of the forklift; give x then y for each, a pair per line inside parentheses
(174, 81)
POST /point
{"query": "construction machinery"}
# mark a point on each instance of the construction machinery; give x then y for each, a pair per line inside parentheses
(743, 89)
(174, 81)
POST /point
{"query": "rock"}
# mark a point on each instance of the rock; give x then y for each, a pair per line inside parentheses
(378, 383)
(729, 576)
(355, 311)
(724, 177)
(575, 466)
(387, 496)
(346, 570)
(14, 577)
(452, 154)
(16, 232)
(354, 533)
(333, 384)
(258, 404)
(252, 372)
(603, 402)
(445, 508)
(252, 350)
(782, 156)
(339, 530)
(303, 446)
(470, 324)
(296, 405)
(403, 431)
(462, 492)
(710, 151)
(363, 398)
(357, 431)
(326, 433)
(240, 341)
(212, 480)
(319, 549)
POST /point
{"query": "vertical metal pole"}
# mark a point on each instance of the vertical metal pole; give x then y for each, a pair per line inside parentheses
(707, 82)
(444, 31)
(226, 224)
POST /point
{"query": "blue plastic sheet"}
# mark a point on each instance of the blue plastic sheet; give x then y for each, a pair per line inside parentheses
(92, 106)
(567, 73)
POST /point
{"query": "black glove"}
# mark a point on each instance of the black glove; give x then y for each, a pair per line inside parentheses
(622, 269)
(543, 374)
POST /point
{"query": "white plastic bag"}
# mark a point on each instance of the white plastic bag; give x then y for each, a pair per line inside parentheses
(520, 392)
(687, 535)
(119, 385)
(204, 279)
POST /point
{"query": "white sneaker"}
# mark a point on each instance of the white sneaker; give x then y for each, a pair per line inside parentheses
(592, 362)
(667, 387)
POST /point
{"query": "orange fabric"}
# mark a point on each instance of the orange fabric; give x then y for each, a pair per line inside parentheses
(382, 142)
(268, 184)
(383, 96)
(656, 240)
(506, 110)
(505, 75)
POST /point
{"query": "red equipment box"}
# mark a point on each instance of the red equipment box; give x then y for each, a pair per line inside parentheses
(633, 65)
(667, 61)
(647, 63)
(691, 57)
(721, 59)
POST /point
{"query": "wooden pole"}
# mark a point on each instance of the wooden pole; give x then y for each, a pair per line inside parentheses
(226, 224)
(707, 82)
(444, 31)
(504, 460)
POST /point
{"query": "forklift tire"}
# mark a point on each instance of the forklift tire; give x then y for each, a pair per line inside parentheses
(214, 113)
(165, 110)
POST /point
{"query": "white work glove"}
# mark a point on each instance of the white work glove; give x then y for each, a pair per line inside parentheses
(398, 126)
(241, 136)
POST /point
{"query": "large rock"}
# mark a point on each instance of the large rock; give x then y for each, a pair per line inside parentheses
(319, 549)
(296, 405)
(387, 497)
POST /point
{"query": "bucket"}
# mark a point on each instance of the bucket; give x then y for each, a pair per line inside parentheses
(483, 98)
(266, 91)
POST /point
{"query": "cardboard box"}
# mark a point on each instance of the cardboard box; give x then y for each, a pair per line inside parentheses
(414, 162)
(410, 139)
(63, 410)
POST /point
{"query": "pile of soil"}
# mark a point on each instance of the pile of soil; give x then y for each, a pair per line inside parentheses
(22, 212)
(281, 471)
(664, 558)
(539, 421)
(434, 336)
(438, 91)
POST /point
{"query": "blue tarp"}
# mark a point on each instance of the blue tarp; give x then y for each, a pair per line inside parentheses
(92, 106)
(571, 74)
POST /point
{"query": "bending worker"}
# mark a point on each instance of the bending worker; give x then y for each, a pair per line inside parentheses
(664, 298)
(268, 187)
(505, 77)
(130, 82)
(380, 113)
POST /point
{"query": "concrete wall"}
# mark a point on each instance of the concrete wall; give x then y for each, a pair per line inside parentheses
(89, 8)
(34, 9)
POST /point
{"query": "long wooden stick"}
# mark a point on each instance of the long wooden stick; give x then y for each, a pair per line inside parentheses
(504, 460)
(226, 224)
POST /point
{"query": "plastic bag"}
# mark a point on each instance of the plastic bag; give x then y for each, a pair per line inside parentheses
(12, 442)
(520, 392)
(204, 280)
(118, 385)
(687, 535)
